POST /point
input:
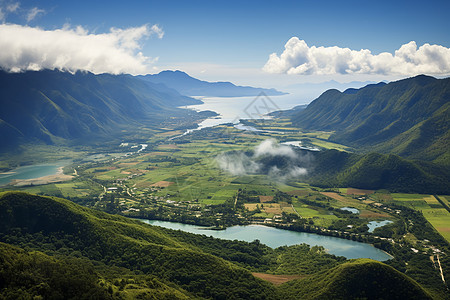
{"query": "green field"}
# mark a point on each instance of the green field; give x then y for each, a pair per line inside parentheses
(432, 210)
(70, 189)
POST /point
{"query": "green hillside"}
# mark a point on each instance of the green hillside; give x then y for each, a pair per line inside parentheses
(409, 117)
(33, 274)
(59, 227)
(377, 171)
(373, 171)
(360, 279)
(53, 248)
(54, 106)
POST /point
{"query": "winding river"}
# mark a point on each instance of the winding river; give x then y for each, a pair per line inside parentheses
(274, 237)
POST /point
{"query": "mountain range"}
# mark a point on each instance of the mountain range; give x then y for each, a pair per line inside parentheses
(54, 106)
(410, 117)
(189, 86)
(375, 171)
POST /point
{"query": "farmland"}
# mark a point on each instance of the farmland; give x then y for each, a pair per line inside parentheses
(430, 207)
(177, 177)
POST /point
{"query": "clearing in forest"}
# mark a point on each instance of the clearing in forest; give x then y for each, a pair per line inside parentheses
(277, 279)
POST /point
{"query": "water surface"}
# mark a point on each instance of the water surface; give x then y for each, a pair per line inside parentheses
(274, 237)
(31, 172)
(299, 145)
(375, 224)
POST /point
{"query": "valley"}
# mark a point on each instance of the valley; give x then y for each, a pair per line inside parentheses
(224, 150)
(264, 186)
(180, 180)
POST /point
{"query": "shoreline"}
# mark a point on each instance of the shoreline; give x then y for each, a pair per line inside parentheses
(319, 233)
(58, 177)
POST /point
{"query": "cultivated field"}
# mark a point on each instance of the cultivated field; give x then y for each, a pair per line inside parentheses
(186, 173)
(432, 210)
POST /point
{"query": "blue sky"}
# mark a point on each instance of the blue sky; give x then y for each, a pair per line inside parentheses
(231, 40)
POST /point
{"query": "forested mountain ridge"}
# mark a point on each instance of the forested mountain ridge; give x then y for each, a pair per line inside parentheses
(65, 250)
(410, 117)
(378, 171)
(51, 106)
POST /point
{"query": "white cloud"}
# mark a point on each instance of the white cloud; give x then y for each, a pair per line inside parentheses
(31, 48)
(271, 147)
(158, 31)
(239, 163)
(299, 58)
(33, 13)
(6, 9)
(12, 7)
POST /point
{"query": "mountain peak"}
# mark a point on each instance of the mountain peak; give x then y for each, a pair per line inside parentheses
(419, 79)
(172, 72)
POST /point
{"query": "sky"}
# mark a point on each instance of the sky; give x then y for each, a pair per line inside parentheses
(259, 43)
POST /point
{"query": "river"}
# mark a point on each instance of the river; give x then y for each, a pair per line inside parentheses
(274, 237)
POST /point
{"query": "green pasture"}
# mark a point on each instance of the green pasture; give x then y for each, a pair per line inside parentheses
(68, 189)
(445, 199)
(432, 210)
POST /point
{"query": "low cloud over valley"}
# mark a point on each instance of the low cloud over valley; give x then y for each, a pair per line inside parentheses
(279, 162)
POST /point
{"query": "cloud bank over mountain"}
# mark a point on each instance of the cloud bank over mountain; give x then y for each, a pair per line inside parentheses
(117, 51)
(299, 58)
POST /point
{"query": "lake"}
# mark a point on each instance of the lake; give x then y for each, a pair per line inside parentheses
(375, 224)
(31, 172)
(274, 237)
